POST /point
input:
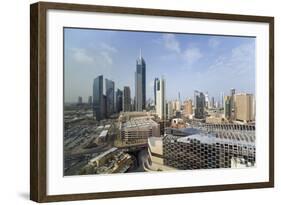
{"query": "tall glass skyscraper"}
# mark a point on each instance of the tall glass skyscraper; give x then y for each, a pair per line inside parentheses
(155, 89)
(109, 91)
(140, 84)
(126, 99)
(98, 100)
(119, 100)
(199, 104)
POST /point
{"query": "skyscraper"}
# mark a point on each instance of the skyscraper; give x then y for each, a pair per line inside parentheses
(98, 99)
(221, 101)
(80, 100)
(161, 99)
(119, 100)
(155, 88)
(207, 101)
(188, 107)
(244, 107)
(170, 112)
(232, 103)
(140, 84)
(199, 104)
(126, 99)
(227, 107)
(90, 100)
(109, 91)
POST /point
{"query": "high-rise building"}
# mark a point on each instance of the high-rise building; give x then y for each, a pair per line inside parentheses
(170, 112)
(244, 107)
(109, 91)
(232, 103)
(207, 100)
(221, 101)
(212, 102)
(154, 91)
(188, 107)
(140, 84)
(199, 104)
(161, 99)
(227, 107)
(80, 100)
(119, 100)
(98, 99)
(90, 100)
(126, 99)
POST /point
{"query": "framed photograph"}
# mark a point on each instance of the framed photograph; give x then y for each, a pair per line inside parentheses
(134, 102)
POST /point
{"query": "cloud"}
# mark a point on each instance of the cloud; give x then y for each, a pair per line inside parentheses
(171, 43)
(106, 56)
(240, 61)
(192, 55)
(213, 42)
(81, 56)
(109, 48)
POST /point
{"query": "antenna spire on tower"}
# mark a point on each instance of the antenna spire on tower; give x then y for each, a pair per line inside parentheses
(140, 53)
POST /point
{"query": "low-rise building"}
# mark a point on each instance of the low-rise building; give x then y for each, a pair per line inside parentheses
(137, 131)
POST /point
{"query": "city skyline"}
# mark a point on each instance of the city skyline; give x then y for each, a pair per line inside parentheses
(206, 58)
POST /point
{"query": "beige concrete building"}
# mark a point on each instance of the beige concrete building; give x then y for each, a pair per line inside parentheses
(244, 107)
(214, 120)
(138, 130)
(188, 107)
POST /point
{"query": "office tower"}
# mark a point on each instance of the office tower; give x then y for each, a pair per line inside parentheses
(140, 84)
(90, 100)
(212, 102)
(80, 101)
(161, 99)
(227, 107)
(109, 91)
(232, 103)
(126, 99)
(178, 105)
(199, 104)
(104, 107)
(119, 100)
(244, 107)
(188, 107)
(170, 112)
(221, 101)
(155, 84)
(98, 99)
(207, 101)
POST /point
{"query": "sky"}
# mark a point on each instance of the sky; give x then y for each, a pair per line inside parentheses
(187, 62)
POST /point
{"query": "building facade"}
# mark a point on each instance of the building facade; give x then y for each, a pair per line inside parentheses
(161, 99)
(138, 130)
(140, 84)
(98, 98)
(199, 104)
(109, 90)
(244, 107)
(227, 107)
(126, 99)
(188, 107)
(190, 149)
(119, 101)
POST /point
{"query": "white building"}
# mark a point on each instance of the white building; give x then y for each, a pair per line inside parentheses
(161, 99)
(170, 111)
